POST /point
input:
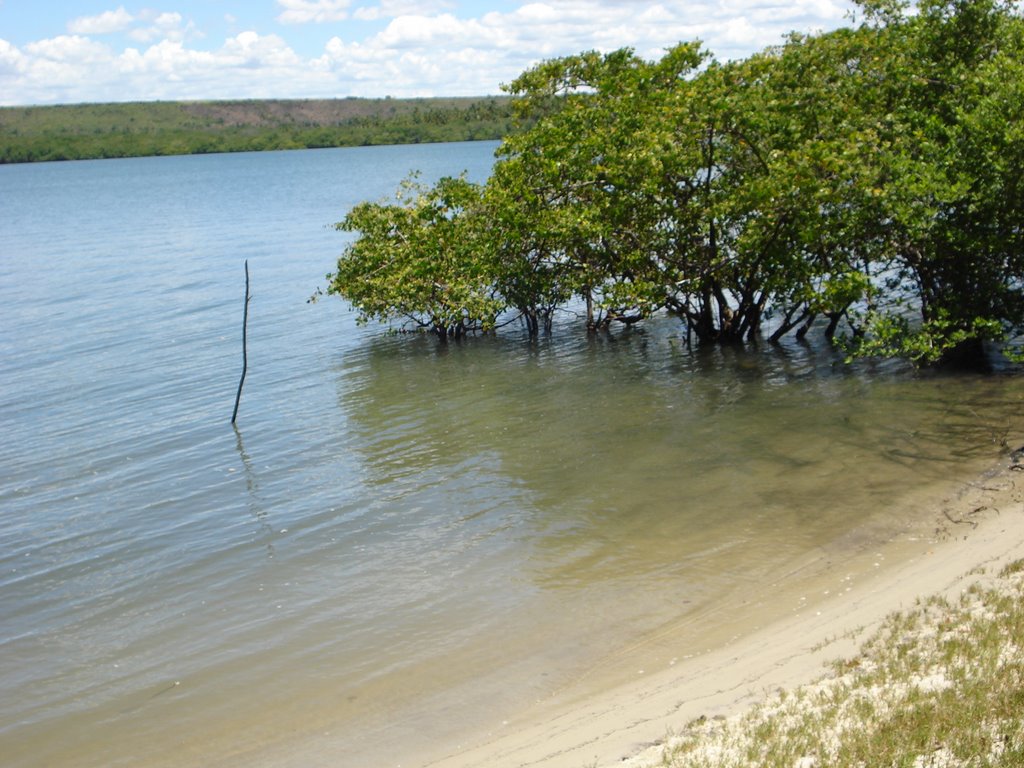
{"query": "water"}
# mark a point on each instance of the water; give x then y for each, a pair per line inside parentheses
(402, 542)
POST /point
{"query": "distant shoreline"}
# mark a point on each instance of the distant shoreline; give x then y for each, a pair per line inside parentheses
(143, 129)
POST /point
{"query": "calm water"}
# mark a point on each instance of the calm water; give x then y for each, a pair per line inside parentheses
(401, 541)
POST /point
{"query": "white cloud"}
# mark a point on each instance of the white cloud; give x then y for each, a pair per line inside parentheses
(389, 9)
(57, 69)
(250, 50)
(70, 69)
(425, 32)
(70, 49)
(104, 24)
(440, 53)
(306, 11)
(247, 65)
(162, 26)
(420, 51)
(12, 61)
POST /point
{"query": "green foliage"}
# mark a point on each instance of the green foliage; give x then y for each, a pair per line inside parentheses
(592, 173)
(866, 180)
(930, 342)
(416, 260)
(86, 131)
(949, 181)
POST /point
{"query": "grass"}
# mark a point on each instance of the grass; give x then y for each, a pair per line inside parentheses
(938, 686)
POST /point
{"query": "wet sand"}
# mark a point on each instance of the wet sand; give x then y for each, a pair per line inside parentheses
(791, 630)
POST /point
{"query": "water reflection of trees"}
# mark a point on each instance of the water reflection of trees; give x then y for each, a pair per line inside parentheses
(599, 444)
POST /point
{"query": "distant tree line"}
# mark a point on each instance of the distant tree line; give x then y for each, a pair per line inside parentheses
(867, 182)
(80, 132)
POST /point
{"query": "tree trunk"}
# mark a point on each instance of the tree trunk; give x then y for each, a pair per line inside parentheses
(968, 355)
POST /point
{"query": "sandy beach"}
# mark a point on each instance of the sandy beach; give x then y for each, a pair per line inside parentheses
(789, 636)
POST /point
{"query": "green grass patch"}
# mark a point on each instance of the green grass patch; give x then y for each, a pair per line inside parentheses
(939, 686)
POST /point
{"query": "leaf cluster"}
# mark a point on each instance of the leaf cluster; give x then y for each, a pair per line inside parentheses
(416, 260)
(865, 182)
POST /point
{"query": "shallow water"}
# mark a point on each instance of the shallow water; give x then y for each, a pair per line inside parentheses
(402, 542)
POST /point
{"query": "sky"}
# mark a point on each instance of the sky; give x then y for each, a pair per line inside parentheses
(76, 51)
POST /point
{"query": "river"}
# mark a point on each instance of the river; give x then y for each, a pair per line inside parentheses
(402, 542)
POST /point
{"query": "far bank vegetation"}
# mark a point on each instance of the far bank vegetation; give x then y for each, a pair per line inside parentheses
(91, 131)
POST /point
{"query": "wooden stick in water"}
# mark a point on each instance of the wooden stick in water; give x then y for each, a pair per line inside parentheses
(245, 359)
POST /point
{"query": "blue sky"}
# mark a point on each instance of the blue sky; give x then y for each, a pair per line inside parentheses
(95, 51)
